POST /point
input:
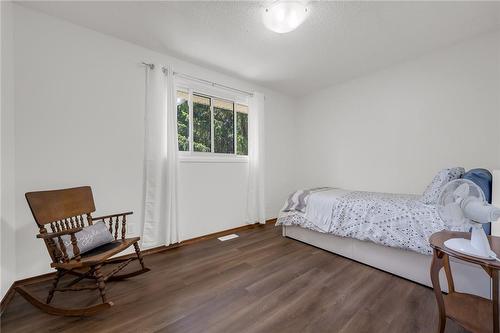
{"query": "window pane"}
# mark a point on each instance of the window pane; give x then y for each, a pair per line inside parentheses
(183, 120)
(222, 104)
(242, 130)
(201, 124)
(241, 108)
(223, 127)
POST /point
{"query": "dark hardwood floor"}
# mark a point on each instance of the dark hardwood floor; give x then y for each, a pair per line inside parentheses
(259, 282)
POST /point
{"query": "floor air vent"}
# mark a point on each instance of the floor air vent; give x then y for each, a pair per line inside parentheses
(228, 237)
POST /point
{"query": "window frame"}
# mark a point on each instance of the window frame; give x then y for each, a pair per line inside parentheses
(209, 157)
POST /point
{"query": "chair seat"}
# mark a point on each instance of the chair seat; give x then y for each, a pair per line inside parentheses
(99, 254)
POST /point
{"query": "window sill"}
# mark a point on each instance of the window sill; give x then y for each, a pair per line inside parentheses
(211, 158)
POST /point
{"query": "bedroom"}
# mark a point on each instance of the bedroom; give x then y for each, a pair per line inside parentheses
(361, 96)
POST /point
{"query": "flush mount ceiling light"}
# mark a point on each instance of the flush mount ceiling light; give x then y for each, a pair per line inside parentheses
(284, 16)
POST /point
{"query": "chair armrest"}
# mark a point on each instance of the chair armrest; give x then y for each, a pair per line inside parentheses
(61, 252)
(113, 221)
(112, 215)
(59, 233)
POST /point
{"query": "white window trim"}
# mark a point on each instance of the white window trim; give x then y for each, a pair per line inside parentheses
(212, 129)
(208, 157)
(190, 120)
(200, 157)
(212, 91)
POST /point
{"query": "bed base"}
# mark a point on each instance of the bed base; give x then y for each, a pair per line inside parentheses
(407, 264)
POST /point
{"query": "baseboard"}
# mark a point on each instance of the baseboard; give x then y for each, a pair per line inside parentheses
(9, 295)
(271, 221)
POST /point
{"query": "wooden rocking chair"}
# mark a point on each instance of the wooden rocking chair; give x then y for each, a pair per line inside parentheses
(65, 212)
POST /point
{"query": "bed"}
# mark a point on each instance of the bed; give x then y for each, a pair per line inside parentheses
(386, 231)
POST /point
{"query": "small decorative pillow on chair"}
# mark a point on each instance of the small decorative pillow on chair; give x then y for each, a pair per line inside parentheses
(443, 177)
(89, 238)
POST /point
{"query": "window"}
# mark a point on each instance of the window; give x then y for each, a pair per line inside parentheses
(241, 129)
(223, 127)
(183, 120)
(207, 124)
(202, 137)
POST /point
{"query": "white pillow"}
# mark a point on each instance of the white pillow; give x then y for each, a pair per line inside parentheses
(443, 177)
(88, 238)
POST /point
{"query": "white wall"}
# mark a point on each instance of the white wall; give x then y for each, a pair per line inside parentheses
(7, 186)
(392, 130)
(79, 120)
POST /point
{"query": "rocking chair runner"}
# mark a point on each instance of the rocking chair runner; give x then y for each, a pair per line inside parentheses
(65, 212)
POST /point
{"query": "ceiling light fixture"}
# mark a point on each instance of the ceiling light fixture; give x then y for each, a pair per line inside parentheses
(284, 16)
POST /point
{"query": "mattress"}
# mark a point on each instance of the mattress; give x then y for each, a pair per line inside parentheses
(394, 220)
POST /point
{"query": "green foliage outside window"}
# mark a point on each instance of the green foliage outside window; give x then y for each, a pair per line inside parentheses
(223, 121)
(242, 133)
(202, 140)
(183, 125)
(223, 131)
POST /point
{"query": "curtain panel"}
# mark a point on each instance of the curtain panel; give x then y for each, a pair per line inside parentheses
(256, 152)
(160, 225)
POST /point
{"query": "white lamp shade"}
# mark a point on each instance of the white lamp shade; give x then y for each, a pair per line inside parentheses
(284, 16)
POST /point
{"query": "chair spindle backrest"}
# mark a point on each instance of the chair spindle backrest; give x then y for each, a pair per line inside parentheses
(61, 210)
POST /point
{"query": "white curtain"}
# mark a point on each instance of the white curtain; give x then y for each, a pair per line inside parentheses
(160, 160)
(171, 218)
(256, 201)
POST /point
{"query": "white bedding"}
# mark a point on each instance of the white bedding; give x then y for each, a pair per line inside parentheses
(395, 220)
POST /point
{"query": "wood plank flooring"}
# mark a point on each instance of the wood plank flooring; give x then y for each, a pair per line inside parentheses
(259, 282)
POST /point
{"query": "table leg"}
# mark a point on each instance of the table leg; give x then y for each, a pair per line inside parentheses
(437, 264)
(449, 276)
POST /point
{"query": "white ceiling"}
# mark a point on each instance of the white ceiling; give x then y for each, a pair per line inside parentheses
(339, 40)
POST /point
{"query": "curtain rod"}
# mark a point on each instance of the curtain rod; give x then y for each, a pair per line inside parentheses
(190, 77)
(213, 84)
(151, 66)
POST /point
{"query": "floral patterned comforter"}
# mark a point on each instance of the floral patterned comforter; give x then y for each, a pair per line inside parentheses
(395, 220)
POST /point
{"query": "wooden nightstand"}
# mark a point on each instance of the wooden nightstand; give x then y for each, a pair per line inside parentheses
(474, 313)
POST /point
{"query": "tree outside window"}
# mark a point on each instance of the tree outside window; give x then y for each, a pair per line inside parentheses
(229, 120)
